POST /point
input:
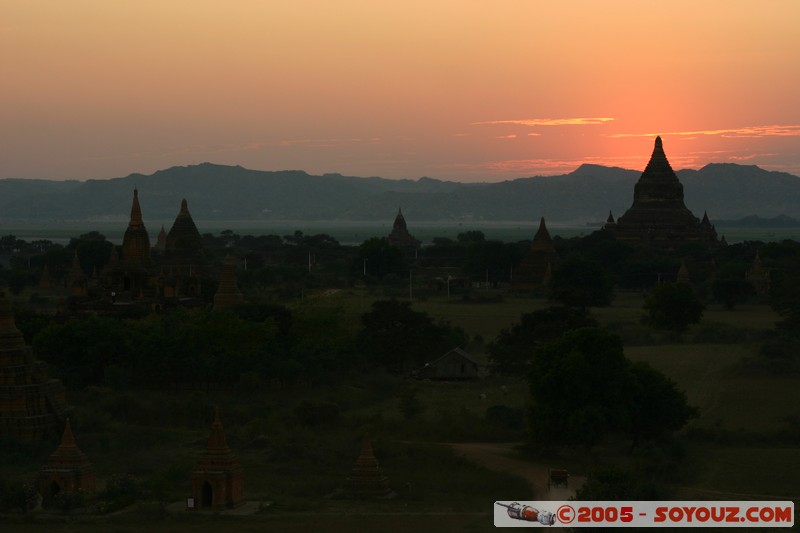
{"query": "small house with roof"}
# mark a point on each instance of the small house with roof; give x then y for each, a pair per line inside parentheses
(454, 365)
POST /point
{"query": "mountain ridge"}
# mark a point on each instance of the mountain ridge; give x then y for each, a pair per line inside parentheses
(225, 192)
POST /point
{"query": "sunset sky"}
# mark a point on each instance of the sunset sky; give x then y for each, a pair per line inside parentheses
(452, 89)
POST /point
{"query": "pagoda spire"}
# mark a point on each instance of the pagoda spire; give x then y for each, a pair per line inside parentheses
(68, 439)
(216, 440)
(542, 240)
(136, 211)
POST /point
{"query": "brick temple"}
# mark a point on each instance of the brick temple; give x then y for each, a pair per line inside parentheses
(67, 471)
(658, 215)
(400, 236)
(537, 266)
(217, 479)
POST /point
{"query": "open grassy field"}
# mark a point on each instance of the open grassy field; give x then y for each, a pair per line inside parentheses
(737, 445)
(716, 382)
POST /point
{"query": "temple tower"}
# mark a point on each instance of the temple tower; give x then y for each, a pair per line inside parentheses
(758, 276)
(400, 236)
(228, 294)
(535, 269)
(129, 275)
(658, 214)
(184, 257)
(76, 279)
(217, 480)
(67, 471)
(31, 404)
(136, 242)
(161, 240)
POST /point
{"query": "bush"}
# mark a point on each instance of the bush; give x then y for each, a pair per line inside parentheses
(673, 306)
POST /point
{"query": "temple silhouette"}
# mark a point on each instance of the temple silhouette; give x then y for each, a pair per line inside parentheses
(536, 268)
(658, 215)
(32, 405)
(176, 271)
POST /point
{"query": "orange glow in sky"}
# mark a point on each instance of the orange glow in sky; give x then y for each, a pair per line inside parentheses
(452, 89)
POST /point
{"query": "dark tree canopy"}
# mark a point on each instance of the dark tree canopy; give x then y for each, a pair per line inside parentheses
(584, 387)
(657, 407)
(732, 291)
(581, 283)
(579, 385)
(512, 351)
(397, 337)
(673, 306)
(377, 258)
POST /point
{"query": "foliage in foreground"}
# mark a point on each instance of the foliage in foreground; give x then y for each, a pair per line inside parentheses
(584, 388)
(512, 351)
(673, 306)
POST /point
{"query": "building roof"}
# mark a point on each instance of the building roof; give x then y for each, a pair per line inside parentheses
(458, 351)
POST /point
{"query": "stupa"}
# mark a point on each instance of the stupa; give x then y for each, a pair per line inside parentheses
(217, 479)
(185, 261)
(31, 404)
(67, 471)
(129, 275)
(536, 267)
(400, 236)
(367, 479)
(658, 215)
(228, 294)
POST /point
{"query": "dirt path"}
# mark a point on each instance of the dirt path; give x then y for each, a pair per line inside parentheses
(500, 458)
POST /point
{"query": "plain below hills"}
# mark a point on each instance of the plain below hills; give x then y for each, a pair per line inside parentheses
(218, 192)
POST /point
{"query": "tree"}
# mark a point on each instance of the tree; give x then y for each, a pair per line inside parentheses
(378, 258)
(580, 388)
(673, 306)
(93, 250)
(512, 351)
(583, 387)
(397, 337)
(471, 236)
(581, 283)
(732, 291)
(657, 406)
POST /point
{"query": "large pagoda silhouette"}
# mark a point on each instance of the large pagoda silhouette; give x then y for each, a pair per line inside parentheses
(658, 215)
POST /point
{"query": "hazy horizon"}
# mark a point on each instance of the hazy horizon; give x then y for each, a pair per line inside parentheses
(457, 91)
(322, 174)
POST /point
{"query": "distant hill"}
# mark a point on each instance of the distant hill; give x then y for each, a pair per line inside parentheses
(217, 192)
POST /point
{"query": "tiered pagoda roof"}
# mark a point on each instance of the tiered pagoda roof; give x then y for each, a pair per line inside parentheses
(658, 214)
(31, 404)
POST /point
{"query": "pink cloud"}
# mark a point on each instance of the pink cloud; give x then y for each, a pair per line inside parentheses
(548, 121)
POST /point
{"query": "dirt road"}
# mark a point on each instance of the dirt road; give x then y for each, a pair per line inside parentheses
(500, 458)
